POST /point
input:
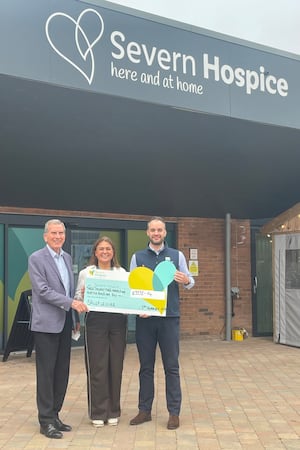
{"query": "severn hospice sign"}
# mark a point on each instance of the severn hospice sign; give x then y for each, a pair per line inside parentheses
(142, 291)
(107, 51)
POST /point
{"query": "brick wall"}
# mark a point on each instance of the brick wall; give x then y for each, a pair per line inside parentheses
(203, 307)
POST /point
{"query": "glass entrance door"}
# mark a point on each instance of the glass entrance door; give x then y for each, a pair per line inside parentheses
(262, 289)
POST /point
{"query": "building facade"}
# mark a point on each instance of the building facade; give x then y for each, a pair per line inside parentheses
(110, 116)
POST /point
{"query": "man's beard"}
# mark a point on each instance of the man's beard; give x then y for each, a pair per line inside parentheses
(157, 242)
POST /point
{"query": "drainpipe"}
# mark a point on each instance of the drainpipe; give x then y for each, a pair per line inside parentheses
(228, 315)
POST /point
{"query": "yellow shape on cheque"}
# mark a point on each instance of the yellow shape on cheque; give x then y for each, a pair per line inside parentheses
(143, 278)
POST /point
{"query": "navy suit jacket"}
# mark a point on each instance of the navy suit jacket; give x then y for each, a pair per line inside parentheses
(49, 301)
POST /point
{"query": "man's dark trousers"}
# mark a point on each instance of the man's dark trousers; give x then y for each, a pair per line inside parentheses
(165, 332)
(52, 366)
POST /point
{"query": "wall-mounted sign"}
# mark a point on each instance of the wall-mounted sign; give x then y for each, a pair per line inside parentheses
(194, 268)
(193, 253)
(104, 50)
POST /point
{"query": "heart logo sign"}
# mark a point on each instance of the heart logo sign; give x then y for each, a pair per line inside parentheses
(152, 284)
(79, 37)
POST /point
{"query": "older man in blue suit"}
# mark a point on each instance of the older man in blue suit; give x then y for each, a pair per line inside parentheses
(52, 280)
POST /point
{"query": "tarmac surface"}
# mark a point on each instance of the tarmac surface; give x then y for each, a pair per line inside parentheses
(236, 395)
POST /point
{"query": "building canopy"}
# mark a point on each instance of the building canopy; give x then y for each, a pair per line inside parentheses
(106, 109)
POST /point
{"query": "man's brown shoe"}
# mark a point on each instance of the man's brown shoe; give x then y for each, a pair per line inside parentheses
(173, 423)
(143, 416)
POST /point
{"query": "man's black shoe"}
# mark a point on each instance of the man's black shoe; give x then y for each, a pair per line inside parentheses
(60, 426)
(50, 431)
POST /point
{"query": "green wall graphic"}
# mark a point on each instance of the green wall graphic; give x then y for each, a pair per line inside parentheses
(21, 243)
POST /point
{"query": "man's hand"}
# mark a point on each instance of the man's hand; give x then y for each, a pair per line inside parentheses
(79, 306)
(181, 277)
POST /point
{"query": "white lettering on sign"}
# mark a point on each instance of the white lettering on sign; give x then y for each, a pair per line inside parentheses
(122, 73)
(191, 88)
(167, 69)
(137, 53)
(251, 80)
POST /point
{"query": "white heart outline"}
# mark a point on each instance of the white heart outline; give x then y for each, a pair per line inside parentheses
(77, 29)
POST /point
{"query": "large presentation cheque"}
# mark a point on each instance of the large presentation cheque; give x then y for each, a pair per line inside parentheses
(141, 291)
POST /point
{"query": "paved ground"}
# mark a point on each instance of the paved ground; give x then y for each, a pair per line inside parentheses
(236, 395)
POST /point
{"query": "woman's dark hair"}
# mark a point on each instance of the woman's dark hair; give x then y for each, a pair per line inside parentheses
(93, 259)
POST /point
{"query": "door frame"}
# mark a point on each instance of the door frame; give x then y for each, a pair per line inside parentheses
(255, 226)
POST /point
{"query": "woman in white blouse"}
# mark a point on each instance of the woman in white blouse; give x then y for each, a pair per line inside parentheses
(105, 342)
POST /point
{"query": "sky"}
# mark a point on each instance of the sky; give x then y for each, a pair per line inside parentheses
(274, 23)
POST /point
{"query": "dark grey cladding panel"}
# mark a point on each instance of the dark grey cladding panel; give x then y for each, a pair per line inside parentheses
(102, 50)
(69, 149)
(90, 140)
